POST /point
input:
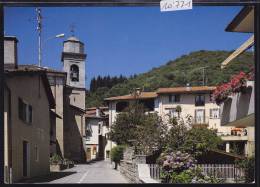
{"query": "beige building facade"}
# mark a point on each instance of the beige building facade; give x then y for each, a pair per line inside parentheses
(28, 101)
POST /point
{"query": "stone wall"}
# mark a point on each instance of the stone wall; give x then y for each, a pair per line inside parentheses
(129, 165)
(130, 171)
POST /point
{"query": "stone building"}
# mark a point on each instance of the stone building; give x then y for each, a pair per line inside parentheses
(68, 88)
(44, 111)
(28, 102)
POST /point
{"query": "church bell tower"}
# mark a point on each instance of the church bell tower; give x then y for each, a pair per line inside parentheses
(73, 58)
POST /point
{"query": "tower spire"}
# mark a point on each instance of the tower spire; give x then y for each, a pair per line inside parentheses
(72, 29)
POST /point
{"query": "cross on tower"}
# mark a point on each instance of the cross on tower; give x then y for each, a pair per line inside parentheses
(72, 29)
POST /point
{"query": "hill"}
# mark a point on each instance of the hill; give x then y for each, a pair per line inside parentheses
(178, 72)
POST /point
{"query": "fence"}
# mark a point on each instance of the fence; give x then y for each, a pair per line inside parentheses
(155, 171)
(220, 171)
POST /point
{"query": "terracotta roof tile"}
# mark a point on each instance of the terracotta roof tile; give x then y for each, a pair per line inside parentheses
(194, 89)
(144, 95)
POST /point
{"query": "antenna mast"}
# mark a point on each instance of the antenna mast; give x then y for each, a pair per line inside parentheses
(39, 29)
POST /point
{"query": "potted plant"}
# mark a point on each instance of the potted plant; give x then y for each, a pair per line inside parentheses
(56, 163)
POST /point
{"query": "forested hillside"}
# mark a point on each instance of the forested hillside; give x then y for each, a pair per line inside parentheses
(185, 69)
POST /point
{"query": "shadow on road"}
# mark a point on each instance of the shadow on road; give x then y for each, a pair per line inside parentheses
(47, 178)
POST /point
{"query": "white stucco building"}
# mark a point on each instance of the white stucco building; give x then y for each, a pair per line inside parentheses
(194, 102)
(96, 129)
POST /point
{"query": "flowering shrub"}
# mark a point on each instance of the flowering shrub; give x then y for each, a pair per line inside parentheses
(236, 84)
(178, 167)
(176, 161)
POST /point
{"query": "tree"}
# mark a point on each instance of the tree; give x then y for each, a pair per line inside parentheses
(125, 126)
(248, 165)
(117, 154)
(200, 140)
(151, 134)
(147, 130)
(176, 134)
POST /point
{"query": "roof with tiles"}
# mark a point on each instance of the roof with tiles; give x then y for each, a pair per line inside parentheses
(194, 89)
(144, 95)
(150, 95)
(24, 70)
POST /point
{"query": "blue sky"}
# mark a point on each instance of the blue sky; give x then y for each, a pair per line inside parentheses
(122, 40)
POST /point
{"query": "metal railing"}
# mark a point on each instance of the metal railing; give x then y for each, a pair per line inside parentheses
(222, 171)
(219, 171)
(155, 171)
(200, 120)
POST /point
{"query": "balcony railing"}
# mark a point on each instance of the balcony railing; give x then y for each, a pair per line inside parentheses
(200, 120)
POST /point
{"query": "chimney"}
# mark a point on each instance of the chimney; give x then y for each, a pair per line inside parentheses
(10, 51)
(138, 91)
(188, 88)
(97, 112)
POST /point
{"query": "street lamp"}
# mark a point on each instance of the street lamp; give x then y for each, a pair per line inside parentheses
(40, 46)
(57, 36)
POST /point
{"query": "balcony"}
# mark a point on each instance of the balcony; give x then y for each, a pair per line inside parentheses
(239, 105)
(237, 134)
(200, 121)
(234, 138)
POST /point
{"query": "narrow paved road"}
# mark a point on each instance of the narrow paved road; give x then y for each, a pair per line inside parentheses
(97, 172)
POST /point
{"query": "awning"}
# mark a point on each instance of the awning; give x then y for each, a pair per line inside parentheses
(249, 43)
(243, 122)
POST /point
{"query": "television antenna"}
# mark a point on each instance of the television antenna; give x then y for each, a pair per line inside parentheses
(39, 29)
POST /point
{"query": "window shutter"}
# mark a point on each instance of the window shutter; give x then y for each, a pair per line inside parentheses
(170, 98)
(30, 114)
(20, 108)
(210, 113)
(24, 111)
(204, 117)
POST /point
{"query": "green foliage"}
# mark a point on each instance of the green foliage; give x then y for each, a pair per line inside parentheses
(200, 140)
(150, 134)
(249, 165)
(144, 131)
(117, 153)
(176, 134)
(55, 159)
(179, 168)
(128, 119)
(177, 73)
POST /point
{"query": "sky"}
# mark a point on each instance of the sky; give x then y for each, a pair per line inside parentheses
(122, 40)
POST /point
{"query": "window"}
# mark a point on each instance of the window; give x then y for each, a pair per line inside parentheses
(173, 113)
(174, 98)
(199, 116)
(74, 73)
(94, 150)
(120, 106)
(214, 113)
(99, 128)
(51, 80)
(25, 111)
(148, 104)
(36, 153)
(199, 100)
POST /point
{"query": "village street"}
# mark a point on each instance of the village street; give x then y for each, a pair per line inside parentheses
(96, 172)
